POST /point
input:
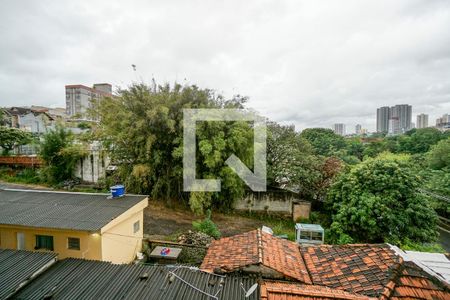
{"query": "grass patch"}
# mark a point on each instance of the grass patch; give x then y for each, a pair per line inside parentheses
(425, 247)
(25, 176)
(279, 224)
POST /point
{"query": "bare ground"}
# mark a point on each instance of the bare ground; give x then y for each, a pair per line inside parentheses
(161, 221)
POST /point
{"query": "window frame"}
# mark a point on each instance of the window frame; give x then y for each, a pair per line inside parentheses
(69, 243)
(45, 242)
(138, 225)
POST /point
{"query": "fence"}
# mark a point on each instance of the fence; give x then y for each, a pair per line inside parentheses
(26, 161)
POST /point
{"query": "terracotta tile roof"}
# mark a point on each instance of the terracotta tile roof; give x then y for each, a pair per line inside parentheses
(363, 269)
(276, 290)
(233, 252)
(411, 282)
(256, 248)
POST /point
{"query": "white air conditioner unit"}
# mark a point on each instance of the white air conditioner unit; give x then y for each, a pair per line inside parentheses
(309, 234)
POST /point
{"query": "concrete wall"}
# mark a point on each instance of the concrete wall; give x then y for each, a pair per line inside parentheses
(90, 244)
(301, 210)
(277, 201)
(92, 167)
(119, 241)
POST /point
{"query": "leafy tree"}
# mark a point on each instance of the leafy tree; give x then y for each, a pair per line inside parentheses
(324, 141)
(10, 138)
(289, 157)
(374, 148)
(142, 128)
(377, 201)
(292, 163)
(2, 117)
(419, 140)
(60, 154)
(355, 148)
(439, 155)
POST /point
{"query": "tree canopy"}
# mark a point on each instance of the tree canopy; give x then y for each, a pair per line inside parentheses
(377, 201)
(324, 141)
(439, 155)
(142, 128)
(10, 138)
(60, 154)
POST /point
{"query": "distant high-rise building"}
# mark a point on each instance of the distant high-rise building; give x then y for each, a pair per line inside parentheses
(394, 125)
(422, 121)
(339, 128)
(79, 98)
(402, 113)
(383, 116)
(358, 129)
(443, 123)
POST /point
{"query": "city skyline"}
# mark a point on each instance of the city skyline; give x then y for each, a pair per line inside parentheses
(98, 89)
(298, 62)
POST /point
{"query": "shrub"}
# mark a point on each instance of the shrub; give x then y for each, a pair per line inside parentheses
(207, 226)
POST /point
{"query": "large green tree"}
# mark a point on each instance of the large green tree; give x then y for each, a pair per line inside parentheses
(293, 164)
(378, 201)
(420, 140)
(142, 128)
(324, 141)
(60, 153)
(10, 138)
(439, 155)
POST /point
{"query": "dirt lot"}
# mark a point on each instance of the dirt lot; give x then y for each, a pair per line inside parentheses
(161, 221)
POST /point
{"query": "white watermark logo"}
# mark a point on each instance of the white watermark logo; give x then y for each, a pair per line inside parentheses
(255, 180)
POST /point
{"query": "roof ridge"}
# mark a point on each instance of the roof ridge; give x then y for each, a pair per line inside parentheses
(259, 246)
(405, 257)
(308, 273)
(389, 287)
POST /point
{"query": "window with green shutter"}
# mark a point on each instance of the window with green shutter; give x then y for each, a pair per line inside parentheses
(44, 242)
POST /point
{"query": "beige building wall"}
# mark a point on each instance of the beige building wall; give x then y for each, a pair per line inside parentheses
(90, 244)
(120, 240)
(116, 242)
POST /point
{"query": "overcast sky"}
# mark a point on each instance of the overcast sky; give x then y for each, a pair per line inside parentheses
(311, 63)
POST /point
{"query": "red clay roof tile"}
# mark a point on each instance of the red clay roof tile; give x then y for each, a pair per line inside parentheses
(347, 271)
(276, 290)
(411, 282)
(361, 269)
(256, 248)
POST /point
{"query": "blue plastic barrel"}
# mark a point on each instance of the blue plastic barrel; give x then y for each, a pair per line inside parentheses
(117, 191)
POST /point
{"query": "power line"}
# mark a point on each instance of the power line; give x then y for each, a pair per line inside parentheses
(434, 195)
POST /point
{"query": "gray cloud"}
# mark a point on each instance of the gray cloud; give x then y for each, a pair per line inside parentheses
(309, 63)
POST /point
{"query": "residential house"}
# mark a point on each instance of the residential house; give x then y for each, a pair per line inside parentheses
(33, 120)
(30, 120)
(79, 225)
(292, 271)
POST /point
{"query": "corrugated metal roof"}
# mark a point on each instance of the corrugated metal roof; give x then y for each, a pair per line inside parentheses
(16, 267)
(437, 262)
(82, 279)
(75, 211)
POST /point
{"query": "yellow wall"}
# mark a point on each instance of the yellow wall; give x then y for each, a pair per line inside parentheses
(116, 242)
(119, 241)
(90, 245)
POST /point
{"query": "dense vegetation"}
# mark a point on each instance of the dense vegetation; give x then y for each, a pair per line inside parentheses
(377, 201)
(142, 128)
(11, 138)
(364, 189)
(60, 153)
